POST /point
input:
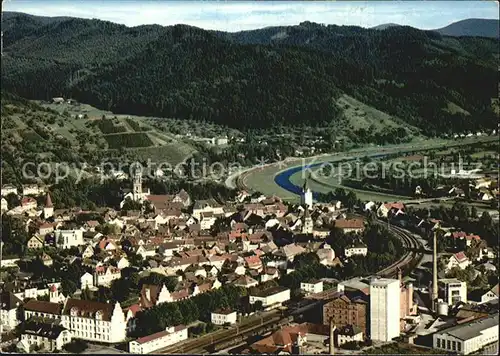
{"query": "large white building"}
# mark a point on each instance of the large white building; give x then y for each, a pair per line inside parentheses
(159, 340)
(94, 321)
(224, 316)
(68, 238)
(452, 290)
(384, 309)
(315, 286)
(272, 297)
(47, 336)
(469, 337)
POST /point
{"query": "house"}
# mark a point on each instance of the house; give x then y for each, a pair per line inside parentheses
(8, 189)
(384, 209)
(207, 220)
(459, 260)
(206, 206)
(159, 340)
(86, 281)
(88, 252)
(104, 275)
(348, 333)
(122, 263)
(152, 295)
(28, 203)
(350, 225)
(490, 295)
(224, 316)
(291, 250)
(253, 262)
(325, 254)
(359, 249)
(35, 242)
(369, 206)
(48, 337)
(4, 205)
(32, 189)
(45, 228)
(94, 321)
(47, 260)
(271, 297)
(313, 286)
(245, 282)
(9, 312)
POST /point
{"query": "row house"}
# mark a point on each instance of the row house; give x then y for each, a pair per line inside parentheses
(159, 340)
(104, 275)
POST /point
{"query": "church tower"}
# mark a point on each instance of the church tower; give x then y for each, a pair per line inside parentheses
(137, 186)
(48, 209)
(54, 294)
(307, 226)
(307, 196)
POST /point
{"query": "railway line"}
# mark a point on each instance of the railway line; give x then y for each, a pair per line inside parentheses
(225, 336)
(409, 260)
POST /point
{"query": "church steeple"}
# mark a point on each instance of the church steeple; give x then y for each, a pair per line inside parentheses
(48, 209)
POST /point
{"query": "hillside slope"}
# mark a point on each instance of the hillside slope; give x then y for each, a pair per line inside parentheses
(472, 27)
(280, 75)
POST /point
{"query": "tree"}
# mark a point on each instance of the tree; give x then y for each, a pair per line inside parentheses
(68, 287)
(473, 212)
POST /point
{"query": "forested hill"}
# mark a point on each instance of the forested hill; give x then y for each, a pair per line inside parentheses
(288, 75)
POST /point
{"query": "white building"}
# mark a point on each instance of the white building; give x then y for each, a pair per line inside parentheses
(4, 205)
(8, 189)
(224, 316)
(32, 189)
(384, 309)
(207, 206)
(452, 290)
(490, 295)
(459, 260)
(68, 238)
(86, 281)
(467, 338)
(160, 340)
(271, 297)
(356, 250)
(47, 337)
(9, 312)
(104, 275)
(94, 321)
(315, 286)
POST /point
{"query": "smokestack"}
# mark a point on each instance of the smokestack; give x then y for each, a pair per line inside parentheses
(400, 276)
(434, 272)
(332, 338)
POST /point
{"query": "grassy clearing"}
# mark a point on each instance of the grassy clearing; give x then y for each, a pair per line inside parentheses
(360, 115)
(171, 153)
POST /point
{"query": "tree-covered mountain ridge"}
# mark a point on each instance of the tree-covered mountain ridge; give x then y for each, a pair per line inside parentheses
(291, 75)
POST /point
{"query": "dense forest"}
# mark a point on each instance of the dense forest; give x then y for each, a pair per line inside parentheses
(255, 79)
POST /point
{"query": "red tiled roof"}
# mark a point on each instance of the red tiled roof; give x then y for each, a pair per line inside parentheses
(350, 223)
(460, 256)
(43, 307)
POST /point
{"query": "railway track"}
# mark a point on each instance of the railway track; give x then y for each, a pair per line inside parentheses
(409, 260)
(200, 344)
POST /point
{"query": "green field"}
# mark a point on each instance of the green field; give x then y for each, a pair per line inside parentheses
(262, 179)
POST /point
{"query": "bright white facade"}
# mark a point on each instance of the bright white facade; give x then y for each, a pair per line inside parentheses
(272, 297)
(103, 276)
(311, 287)
(222, 317)
(86, 281)
(68, 238)
(94, 321)
(384, 309)
(160, 340)
(469, 337)
(356, 250)
(453, 290)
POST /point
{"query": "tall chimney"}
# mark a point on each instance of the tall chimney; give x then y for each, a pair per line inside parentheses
(434, 296)
(332, 338)
(400, 276)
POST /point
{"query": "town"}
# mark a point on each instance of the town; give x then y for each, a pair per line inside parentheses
(170, 274)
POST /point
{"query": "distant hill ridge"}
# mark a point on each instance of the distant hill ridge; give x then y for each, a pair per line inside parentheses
(289, 75)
